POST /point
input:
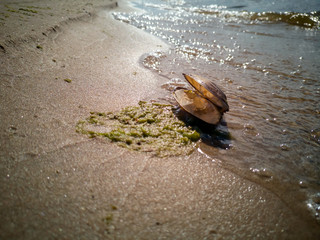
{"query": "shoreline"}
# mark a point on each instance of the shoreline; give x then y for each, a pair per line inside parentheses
(59, 184)
(21, 22)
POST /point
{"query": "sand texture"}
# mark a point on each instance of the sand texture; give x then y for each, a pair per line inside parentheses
(58, 184)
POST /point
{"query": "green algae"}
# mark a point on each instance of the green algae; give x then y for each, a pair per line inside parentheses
(108, 219)
(28, 10)
(149, 127)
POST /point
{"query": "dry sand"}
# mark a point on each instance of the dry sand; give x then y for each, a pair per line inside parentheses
(57, 184)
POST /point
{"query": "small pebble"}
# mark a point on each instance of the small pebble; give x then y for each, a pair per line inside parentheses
(303, 184)
(284, 147)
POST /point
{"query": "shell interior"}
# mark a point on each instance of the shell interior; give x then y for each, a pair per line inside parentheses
(198, 106)
(209, 90)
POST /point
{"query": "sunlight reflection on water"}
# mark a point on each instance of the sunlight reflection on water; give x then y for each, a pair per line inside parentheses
(268, 65)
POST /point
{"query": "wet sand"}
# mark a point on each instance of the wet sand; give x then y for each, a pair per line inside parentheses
(57, 184)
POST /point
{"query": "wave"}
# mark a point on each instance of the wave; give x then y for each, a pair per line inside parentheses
(306, 20)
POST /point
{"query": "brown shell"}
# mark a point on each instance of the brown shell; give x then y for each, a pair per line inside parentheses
(209, 90)
(198, 106)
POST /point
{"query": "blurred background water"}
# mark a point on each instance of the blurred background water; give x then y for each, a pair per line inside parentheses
(265, 56)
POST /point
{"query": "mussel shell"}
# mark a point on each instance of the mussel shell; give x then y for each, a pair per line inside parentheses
(198, 106)
(209, 90)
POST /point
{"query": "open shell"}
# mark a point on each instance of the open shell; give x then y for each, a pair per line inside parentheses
(206, 102)
(209, 90)
(198, 106)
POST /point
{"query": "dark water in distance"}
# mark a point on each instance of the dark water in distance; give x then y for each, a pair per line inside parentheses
(265, 55)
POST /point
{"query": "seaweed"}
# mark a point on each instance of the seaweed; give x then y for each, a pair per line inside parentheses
(149, 127)
(28, 10)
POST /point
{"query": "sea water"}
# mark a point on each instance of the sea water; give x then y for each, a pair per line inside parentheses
(265, 56)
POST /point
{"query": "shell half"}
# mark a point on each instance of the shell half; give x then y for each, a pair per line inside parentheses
(209, 90)
(198, 106)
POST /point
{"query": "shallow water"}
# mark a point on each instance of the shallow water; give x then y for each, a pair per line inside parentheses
(266, 57)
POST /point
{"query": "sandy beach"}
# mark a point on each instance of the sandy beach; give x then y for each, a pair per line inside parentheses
(58, 184)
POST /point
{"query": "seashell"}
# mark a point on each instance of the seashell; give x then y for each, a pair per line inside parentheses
(207, 102)
(209, 90)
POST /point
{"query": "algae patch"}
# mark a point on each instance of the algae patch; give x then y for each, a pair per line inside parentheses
(149, 127)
